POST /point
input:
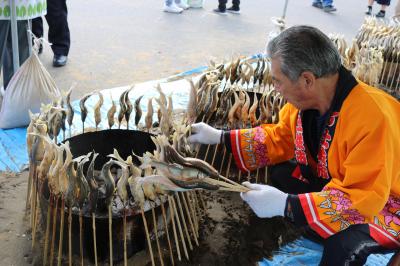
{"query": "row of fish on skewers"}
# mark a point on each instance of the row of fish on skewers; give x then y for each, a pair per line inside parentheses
(61, 112)
(222, 96)
(379, 56)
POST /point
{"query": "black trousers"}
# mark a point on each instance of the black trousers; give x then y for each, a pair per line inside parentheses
(56, 18)
(6, 52)
(351, 246)
(222, 4)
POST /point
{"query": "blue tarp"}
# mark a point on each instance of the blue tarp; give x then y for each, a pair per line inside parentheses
(306, 252)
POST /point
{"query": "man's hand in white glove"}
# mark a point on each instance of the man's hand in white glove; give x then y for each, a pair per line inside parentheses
(204, 134)
(264, 200)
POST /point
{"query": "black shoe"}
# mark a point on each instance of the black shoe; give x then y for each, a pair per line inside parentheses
(317, 5)
(329, 9)
(369, 11)
(219, 11)
(380, 14)
(234, 10)
(59, 60)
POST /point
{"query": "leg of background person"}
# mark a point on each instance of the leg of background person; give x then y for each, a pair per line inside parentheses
(37, 27)
(4, 30)
(236, 4)
(168, 2)
(350, 247)
(59, 34)
(327, 3)
(222, 5)
(23, 46)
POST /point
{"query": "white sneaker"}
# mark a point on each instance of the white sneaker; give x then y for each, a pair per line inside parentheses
(183, 5)
(172, 8)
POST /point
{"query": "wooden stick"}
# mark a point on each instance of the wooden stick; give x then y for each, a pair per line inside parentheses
(184, 222)
(148, 237)
(193, 213)
(32, 167)
(35, 220)
(33, 200)
(189, 217)
(179, 227)
(81, 234)
(202, 201)
(225, 184)
(125, 254)
(155, 227)
(166, 231)
(53, 232)
(60, 241)
(171, 210)
(70, 236)
(94, 237)
(110, 233)
(46, 238)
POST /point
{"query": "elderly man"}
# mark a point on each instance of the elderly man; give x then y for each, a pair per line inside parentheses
(334, 153)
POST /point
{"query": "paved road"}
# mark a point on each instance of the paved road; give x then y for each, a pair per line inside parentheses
(118, 42)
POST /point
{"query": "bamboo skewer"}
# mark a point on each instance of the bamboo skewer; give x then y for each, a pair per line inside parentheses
(94, 237)
(186, 207)
(148, 237)
(53, 238)
(70, 236)
(60, 241)
(193, 213)
(46, 238)
(179, 227)
(110, 233)
(171, 209)
(81, 235)
(125, 254)
(167, 233)
(184, 222)
(35, 221)
(156, 234)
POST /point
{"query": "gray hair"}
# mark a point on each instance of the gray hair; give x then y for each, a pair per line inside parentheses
(304, 48)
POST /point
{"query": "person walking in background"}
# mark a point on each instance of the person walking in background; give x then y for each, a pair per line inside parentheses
(59, 34)
(235, 9)
(25, 12)
(175, 6)
(384, 4)
(326, 5)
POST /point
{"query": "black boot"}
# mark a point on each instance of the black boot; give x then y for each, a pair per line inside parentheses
(380, 14)
(369, 11)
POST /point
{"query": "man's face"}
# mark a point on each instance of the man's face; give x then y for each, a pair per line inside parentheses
(295, 92)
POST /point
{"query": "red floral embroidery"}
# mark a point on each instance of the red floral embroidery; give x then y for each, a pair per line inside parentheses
(260, 146)
(338, 207)
(391, 211)
(300, 154)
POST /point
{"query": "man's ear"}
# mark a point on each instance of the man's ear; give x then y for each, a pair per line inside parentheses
(308, 79)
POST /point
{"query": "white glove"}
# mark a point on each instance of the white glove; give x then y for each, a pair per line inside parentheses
(264, 200)
(204, 134)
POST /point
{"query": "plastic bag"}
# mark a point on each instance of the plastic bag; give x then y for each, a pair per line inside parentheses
(195, 3)
(30, 86)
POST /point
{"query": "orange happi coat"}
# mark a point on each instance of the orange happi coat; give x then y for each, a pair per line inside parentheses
(362, 163)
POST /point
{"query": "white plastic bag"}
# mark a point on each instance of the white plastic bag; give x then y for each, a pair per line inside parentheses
(30, 86)
(196, 3)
